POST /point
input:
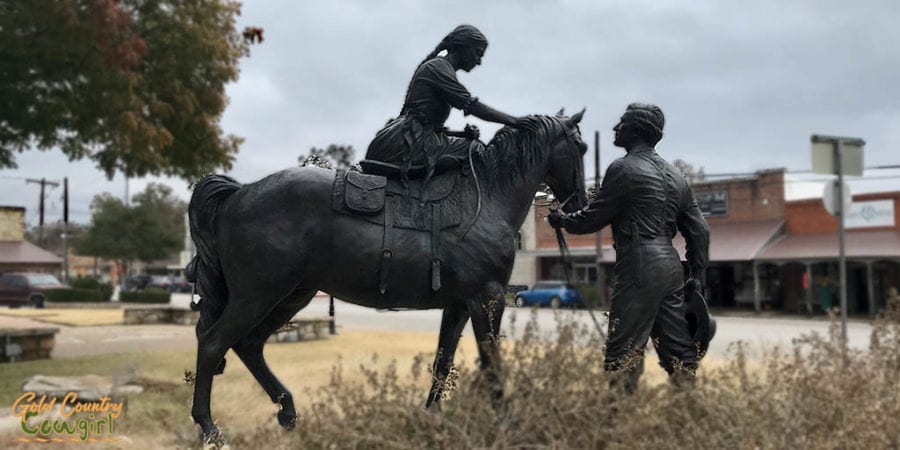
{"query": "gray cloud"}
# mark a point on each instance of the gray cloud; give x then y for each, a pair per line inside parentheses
(743, 85)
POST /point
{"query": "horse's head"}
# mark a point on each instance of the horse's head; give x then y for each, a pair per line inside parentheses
(565, 174)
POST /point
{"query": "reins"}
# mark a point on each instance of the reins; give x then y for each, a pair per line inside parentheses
(477, 189)
(567, 264)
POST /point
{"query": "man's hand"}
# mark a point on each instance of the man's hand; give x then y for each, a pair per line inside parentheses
(555, 219)
(693, 284)
(471, 132)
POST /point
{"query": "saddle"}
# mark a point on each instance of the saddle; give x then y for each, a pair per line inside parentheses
(430, 205)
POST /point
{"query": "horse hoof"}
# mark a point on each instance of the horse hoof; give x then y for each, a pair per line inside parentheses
(213, 440)
(287, 420)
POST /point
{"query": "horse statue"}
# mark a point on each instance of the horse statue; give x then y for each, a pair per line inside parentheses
(266, 248)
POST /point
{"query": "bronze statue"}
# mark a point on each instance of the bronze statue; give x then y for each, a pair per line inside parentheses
(418, 137)
(264, 249)
(647, 200)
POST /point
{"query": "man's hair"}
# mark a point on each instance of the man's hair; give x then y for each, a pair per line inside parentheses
(648, 119)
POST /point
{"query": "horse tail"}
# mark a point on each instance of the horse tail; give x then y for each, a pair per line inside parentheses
(205, 270)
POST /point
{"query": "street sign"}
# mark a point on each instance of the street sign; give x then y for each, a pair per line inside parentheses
(830, 198)
(712, 203)
(824, 160)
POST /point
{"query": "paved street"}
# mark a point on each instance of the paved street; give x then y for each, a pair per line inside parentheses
(756, 331)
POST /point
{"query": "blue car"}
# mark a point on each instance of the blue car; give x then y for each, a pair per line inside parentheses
(553, 293)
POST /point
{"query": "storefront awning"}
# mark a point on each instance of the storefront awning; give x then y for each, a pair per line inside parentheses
(24, 252)
(737, 241)
(858, 244)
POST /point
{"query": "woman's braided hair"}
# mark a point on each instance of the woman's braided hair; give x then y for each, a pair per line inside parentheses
(461, 36)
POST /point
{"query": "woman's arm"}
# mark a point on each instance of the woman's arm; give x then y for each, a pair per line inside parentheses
(440, 74)
(485, 112)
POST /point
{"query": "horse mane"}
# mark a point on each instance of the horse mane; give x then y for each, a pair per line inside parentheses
(512, 152)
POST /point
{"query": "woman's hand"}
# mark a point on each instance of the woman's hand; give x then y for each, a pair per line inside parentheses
(471, 132)
(521, 122)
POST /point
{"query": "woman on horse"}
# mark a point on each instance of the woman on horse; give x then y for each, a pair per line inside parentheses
(418, 136)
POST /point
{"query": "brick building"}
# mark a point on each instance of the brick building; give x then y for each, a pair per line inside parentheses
(765, 252)
(803, 262)
(744, 216)
(17, 254)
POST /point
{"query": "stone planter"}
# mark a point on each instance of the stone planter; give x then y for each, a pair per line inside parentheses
(26, 344)
(150, 314)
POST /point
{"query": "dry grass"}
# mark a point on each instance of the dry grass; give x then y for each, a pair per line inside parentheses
(816, 394)
(812, 395)
(72, 317)
(160, 418)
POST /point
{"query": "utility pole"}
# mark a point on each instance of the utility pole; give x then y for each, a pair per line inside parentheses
(43, 182)
(65, 233)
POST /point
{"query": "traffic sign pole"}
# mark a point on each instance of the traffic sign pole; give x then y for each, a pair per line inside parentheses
(842, 261)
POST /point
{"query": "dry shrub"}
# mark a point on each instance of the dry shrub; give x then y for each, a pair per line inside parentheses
(816, 394)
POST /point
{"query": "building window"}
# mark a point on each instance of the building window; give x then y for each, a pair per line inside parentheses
(519, 241)
(586, 273)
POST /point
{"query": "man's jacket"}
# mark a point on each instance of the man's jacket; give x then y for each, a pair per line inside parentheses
(645, 195)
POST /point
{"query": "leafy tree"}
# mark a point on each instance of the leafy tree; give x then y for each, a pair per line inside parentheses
(138, 86)
(51, 237)
(158, 223)
(151, 229)
(689, 172)
(109, 234)
(339, 156)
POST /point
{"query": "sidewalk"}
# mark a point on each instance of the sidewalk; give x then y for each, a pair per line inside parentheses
(98, 340)
(751, 314)
(18, 323)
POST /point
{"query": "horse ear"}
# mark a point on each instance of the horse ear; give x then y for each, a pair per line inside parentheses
(577, 117)
(562, 112)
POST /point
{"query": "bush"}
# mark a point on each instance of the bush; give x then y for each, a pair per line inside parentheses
(105, 289)
(590, 296)
(77, 295)
(152, 295)
(817, 394)
(85, 283)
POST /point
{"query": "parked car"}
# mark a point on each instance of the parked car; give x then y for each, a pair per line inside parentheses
(138, 281)
(21, 288)
(553, 293)
(159, 281)
(180, 284)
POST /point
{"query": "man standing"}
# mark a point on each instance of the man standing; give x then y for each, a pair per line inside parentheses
(646, 200)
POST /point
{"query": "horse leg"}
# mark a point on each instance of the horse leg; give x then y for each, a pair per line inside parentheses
(452, 324)
(236, 321)
(250, 350)
(486, 315)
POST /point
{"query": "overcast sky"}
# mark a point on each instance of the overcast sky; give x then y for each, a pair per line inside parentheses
(742, 84)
